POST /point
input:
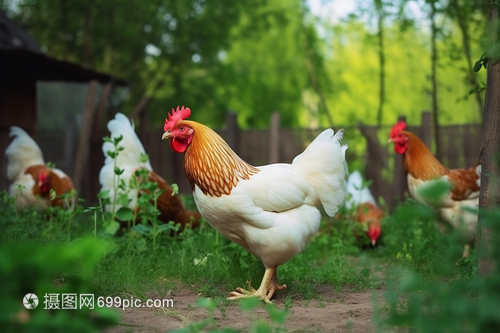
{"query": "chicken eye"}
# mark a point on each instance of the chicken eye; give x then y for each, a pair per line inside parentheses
(181, 129)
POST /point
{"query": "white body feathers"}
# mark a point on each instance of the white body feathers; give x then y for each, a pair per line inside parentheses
(455, 214)
(273, 214)
(23, 153)
(357, 193)
(128, 159)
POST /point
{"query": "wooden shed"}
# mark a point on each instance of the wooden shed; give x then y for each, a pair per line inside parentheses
(22, 66)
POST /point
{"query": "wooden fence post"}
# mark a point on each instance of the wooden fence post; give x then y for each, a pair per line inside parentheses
(377, 156)
(70, 131)
(85, 135)
(101, 106)
(274, 138)
(232, 131)
(95, 158)
(426, 128)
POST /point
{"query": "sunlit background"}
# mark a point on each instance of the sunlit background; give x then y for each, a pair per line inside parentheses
(316, 62)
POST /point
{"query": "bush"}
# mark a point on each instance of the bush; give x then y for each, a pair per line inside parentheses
(464, 305)
(58, 269)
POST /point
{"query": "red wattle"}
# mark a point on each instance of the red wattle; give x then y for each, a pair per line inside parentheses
(400, 148)
(178, 146)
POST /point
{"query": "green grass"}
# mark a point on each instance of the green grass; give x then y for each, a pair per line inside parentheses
(413, 265)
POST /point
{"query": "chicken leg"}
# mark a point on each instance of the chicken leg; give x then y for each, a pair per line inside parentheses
(466, 251)
(266, 290)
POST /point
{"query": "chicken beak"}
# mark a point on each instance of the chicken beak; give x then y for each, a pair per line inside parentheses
(390, 141)
(165, 135)
(374, 242)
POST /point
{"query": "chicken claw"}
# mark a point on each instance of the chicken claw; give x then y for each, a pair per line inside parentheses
(266, 290)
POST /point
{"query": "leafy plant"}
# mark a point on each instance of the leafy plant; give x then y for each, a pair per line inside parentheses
(66, 213)
(412, 238)
(465, 305)
(147, 194)
(43, 270)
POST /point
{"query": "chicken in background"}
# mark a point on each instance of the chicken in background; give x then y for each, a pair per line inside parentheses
(365, 209)
(129, 159)
(269, 210)
(32, 179)
(424, 170)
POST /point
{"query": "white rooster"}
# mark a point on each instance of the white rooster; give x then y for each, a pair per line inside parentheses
(268, 210)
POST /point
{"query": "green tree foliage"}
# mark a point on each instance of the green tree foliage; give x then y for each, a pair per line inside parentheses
(260, 56)
(164, 48)
(353, 68)
(267, 71)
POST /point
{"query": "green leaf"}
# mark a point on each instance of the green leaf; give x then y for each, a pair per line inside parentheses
(261, 326)
(91, 209)
(248, 304)
(119, 171)
(175, 189)
(477, 66)
(150, 186)
(206, 303)
(142, 229)
(123, 200)
(434, 191)
(111, 154)
(165, 227)
(52, 194)
(141, 173)
(278, 316)
(144, 157)
(124, 214)
(112, 228)
(117, 139)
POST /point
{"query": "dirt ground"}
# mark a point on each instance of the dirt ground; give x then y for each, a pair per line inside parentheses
(345, 311)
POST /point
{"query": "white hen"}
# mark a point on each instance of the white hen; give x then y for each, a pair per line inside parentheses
(358, 193)
(268, 210)
(132, 158)
(32, 180)
(129, 159)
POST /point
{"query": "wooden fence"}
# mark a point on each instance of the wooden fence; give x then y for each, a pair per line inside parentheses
(460, 146)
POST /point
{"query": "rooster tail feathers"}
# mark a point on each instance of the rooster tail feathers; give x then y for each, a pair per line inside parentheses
(324, 166)
(21, 153)
(131, 155)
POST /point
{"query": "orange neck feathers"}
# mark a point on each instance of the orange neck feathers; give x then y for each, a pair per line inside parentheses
(419, 161)
(211, 164)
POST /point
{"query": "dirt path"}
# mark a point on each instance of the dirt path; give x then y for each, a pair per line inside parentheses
(336, 312)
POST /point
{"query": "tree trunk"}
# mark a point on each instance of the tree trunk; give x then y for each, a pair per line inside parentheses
(434, 57)
(489, 198)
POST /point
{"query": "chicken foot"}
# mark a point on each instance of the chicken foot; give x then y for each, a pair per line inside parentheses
(266, 290)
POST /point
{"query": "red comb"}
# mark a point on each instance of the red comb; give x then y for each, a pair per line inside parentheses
(42, 176)
(401, 125)
(177, 115)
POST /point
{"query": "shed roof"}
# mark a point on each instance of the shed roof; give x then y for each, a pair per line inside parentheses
(21, 57)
